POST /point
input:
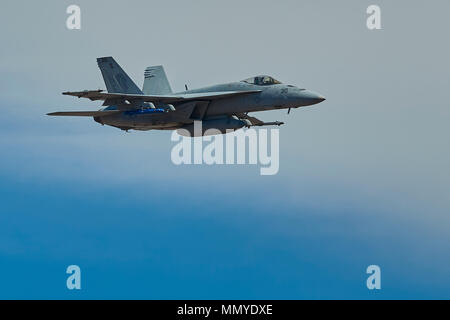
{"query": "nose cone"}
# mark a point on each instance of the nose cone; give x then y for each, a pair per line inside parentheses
(309, 97)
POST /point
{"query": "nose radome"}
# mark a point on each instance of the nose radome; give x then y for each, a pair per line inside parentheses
(320, 99)
(313, 97)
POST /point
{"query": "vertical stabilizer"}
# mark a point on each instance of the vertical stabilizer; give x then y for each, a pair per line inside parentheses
(116, 80)
(155, 81)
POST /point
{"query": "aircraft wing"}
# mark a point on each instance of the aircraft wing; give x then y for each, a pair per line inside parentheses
(84, 113)
(208, 96)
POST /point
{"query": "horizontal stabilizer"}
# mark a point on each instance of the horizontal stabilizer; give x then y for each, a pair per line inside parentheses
(84, 113)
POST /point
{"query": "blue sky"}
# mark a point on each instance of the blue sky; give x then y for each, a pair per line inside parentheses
(364, 176)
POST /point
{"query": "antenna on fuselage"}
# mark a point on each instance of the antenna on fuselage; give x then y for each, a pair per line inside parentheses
(186, 87)
(289, 110)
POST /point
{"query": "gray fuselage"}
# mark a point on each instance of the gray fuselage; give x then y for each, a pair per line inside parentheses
(270, 97)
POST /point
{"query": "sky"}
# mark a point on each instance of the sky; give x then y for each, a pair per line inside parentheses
(364, 176)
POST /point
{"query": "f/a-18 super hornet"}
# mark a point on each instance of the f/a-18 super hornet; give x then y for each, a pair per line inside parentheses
(223, 107)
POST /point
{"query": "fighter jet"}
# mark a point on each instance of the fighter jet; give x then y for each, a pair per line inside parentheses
(224, 107)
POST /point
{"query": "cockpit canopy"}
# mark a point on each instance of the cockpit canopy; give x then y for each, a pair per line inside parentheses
(262, 81)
